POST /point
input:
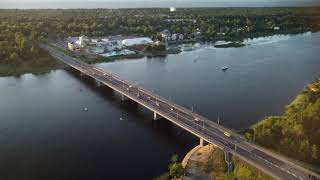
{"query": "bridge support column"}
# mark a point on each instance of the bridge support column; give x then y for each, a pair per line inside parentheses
(98, 83)
(123, 97)
(156, 116)
(228, 159)
(201, 142)
(82, 74)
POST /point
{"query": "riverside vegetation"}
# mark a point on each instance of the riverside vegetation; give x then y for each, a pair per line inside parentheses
(23, 30)
(295, 134)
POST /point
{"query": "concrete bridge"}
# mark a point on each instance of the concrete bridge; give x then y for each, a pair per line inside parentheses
(275, 165)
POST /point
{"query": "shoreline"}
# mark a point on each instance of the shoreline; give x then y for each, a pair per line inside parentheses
(21, 70)
(193, 160)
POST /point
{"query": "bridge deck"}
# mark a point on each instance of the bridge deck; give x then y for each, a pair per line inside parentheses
(274, 165)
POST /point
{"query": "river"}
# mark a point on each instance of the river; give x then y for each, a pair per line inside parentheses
(46, 133)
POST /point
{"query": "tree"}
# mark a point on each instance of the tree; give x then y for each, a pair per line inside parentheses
(14, 56)
(314, 152)
(176, 170)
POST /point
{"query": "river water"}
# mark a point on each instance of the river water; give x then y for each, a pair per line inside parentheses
(45, 133)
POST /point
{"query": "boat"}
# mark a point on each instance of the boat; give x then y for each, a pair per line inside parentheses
(224, 68)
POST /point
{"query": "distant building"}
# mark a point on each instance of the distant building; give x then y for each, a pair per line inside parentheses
(76, 43)
(276, 28)
(181, 37)
(157, 42)
(137, 41)
(109, 45)
(221, 34)
(177, 37)
(118, 53)
(83, 40)
(174, 37)
(172, 9)
(166, 35)
(70, 46)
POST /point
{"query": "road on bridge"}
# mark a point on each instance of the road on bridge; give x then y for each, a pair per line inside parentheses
(275, 165)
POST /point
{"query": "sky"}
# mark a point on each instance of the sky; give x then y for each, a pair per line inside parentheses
(64, 4)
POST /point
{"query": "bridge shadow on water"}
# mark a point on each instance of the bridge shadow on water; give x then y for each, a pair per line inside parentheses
(162, 127)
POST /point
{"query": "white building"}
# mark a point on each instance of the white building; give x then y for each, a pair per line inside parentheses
(109, 45)
(174, 37)
(82, 41)
(172, 9)
(77, 42)
(166, 35)
(181, 37)
(137, 41)
(276, 28)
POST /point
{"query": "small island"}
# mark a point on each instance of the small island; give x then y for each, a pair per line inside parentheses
(230, 45)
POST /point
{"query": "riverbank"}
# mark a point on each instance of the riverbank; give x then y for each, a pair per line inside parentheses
(300, 122)
(207, 162)
(295, 133)
(36, 66)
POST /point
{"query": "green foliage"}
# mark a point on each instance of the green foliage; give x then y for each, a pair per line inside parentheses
(22, 30)
(243, 170)
(216, 167)
(155, 48)
(215, 163)
(297, 132)
(14, 56)
(175, 170)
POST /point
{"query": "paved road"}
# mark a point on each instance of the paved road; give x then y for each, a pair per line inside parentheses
(275, 165)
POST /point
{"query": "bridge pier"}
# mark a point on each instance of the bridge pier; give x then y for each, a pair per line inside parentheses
(156, 116)
(98, 83)
(82, 74)
(201, 142)
(123, 97)
(228, 159)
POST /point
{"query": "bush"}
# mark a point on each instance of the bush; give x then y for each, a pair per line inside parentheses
(14, 56)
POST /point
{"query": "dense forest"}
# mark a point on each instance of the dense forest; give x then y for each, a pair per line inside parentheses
(22, 30)
(297, 132)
